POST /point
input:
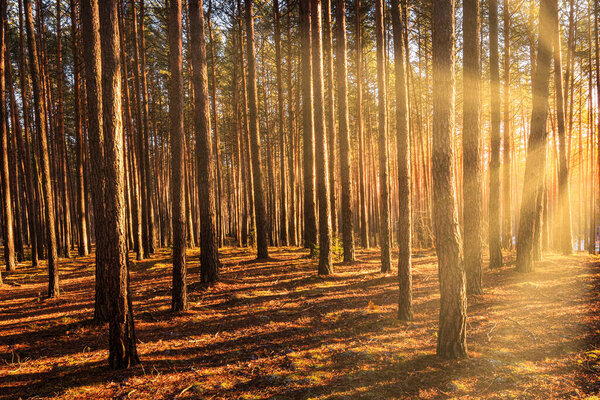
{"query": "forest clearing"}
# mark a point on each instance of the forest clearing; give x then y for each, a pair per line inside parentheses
(274, 329)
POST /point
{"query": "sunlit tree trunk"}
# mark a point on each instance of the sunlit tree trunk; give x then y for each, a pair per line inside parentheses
(364, 220)
(451, 341)
(330, 111)
(494, 186)
(347, 218)
(209, 257)
(179, 296)
(122, 341)
(40, 123)
(384, 185)
(535, 165)
(405, 312)
(506, 141)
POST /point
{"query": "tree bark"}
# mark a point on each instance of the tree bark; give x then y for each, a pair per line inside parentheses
(453, 305)
(405, 312)
(209, 256)
(179, 296)
(40, 123)
(535, 165)
(506, 141)
(122, 342)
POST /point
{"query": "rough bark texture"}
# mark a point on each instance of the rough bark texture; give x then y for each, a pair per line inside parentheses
(179, 295)
(494, 187)
(506, 141)
(330, 111)
(209, 257)
(535, 165)
(322, 175)
(405, 312)
(122, 342)
(7, 220)
(40, 125)
(472, 179)
(453, 303)
(364, 228)
(344, 132)
(384, 185)
(93, 69)
(259, 200)
(310, 216)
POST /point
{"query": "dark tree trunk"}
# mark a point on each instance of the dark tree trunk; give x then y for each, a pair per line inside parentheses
(344, 132)
(453, 303)
(40, 123)
(535, 165)
(209, 256)
(472, 180)
(122, 342)
(179, 298)
(405, 312)
(364, 220)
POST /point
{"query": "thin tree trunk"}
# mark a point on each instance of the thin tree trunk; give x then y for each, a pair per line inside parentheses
(364, 220)
(330, 111)
(405, 312)
(179, 296)
(506, 145)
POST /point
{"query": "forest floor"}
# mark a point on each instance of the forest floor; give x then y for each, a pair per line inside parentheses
(276, 330)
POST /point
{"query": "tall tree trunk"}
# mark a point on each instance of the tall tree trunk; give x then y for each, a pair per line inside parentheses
(40, 123)
(405, 312)
(453, 303)
(93, 69)
(384, 186)
(344, 132)
(259, 200)
(330, 110)
(364, 220)
(122, 342)
(472, 186)
(7, 220)
(535, 165)
(506, 141)
(283, 204)
(81, 213)
(179, 296)
(322, 175)
(565, 237)
(209, 256)
(310, 215)
(494, 186)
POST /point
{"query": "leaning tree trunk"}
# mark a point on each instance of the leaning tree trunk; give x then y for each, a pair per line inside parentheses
(209, 257)
(40, 123)
(535, 165)
(344, 132)
(405, 312)
(322, 175)
(179, 296)
(122, 342)
(453, 303)
(384, 186)
(472, 181)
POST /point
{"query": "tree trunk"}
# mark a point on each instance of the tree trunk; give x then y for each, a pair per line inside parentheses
(384, 186)
(494, 186)
(535, 165)
(344, 132)
(179, 297)
(405, 312)
(322, 175)
(209, 257)
(40, 112)
(453, 303)
(506, 145)
(472, 177)
(122, 342)
(330, 111)
(364, 220)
